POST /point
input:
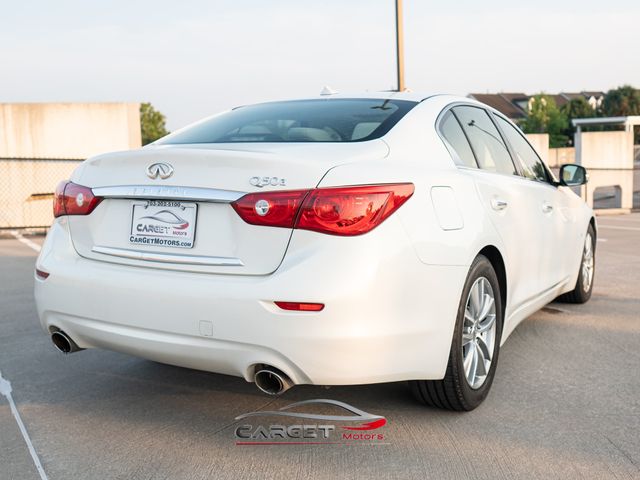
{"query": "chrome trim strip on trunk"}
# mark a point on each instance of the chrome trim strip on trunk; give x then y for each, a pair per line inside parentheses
(169, 257)
(163, 192)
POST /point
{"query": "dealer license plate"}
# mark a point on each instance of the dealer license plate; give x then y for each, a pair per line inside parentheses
(163, 223)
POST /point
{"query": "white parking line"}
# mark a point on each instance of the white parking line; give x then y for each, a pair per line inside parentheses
(5, 389)
(33, 245)
(615, 227)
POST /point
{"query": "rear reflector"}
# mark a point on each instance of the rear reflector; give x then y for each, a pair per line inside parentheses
(301, 307)
(42, 274)
(345, 211)
(73, 199)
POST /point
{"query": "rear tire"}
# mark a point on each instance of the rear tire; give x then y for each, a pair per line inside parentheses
(584, 285)
(476, 338)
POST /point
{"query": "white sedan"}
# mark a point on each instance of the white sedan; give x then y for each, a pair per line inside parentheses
(332, 241)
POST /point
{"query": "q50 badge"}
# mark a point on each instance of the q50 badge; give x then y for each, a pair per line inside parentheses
(266, 181)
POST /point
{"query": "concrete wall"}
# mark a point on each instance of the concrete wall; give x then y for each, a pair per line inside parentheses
(31, 134)
(67, 130)
(608, 156)
(560, 156)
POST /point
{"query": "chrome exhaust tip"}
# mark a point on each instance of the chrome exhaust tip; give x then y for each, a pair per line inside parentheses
(63, 343)
(272, 381)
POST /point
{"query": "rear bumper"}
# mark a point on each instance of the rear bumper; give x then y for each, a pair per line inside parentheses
(387, 317)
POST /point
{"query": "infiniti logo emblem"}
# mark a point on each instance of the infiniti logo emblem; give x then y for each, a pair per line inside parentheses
(162, 170)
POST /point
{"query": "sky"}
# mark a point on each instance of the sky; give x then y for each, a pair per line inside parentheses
(193, 58)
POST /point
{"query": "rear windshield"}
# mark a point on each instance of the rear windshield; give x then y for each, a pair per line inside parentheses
(320, 120)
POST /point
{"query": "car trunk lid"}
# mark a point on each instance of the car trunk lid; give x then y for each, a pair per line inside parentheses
(185, 221)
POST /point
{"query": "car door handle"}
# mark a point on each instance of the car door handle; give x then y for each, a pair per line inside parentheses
(498, 204)
(547, 207)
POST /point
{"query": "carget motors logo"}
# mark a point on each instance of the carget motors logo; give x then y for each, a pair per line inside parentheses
(168, 217)
(317, 429)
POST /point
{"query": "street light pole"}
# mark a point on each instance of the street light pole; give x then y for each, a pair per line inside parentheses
(399, 46)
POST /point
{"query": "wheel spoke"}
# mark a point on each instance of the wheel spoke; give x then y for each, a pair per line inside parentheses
(484, 348)
(468, 317)
(474, 300)
(468, 362)
(487, 324)
(481, 369)
(473, 368)
(487, 304)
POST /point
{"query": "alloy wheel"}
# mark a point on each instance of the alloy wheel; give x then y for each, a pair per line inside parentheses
(479, 332)
(587, 263)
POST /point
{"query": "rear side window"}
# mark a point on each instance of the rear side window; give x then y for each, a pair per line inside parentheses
(452, 132)
(317, 120)
(531, 165)
(487, 144)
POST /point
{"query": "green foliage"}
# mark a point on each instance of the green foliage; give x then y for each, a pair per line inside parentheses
(576, 108)
(152, 124)
(545, 117)
(621, 101)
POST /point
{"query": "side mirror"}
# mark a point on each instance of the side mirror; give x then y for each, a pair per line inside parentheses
(572, 175)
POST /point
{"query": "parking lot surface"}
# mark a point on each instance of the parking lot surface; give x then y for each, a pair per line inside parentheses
(565, 402)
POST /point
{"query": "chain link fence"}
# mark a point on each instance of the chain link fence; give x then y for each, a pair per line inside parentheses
(26, 190)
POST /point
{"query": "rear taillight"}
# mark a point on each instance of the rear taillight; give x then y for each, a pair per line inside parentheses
(343, 211)
(351, 210)
(73, 199)
(272, 209)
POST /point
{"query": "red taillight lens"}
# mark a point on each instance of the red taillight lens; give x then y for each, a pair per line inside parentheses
(344, 211)
(73, 199)
(351, 210)
(300, 307)
(272, 209)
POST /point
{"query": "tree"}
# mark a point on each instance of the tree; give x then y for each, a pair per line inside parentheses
(621, 102)
(576, 108)
(545, 117)
(152, 124)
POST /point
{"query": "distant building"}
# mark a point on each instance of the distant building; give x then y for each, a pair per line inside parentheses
(515, 106)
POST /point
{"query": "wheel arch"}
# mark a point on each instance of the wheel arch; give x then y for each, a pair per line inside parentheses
(497, 262)
(592, 222)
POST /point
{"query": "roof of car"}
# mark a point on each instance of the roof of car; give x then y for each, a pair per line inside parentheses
(410, 96)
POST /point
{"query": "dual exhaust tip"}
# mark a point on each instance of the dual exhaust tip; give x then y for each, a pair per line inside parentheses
(63, 343)
(268, 379)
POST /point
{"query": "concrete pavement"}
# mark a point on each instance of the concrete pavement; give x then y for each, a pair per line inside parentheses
(565, 403)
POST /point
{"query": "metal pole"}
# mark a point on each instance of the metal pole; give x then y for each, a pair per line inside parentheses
(399, 46)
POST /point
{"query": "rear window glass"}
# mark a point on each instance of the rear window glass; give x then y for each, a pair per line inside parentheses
(321, 120)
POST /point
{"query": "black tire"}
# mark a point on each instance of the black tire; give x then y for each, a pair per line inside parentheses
(453, 392)
(579, 294)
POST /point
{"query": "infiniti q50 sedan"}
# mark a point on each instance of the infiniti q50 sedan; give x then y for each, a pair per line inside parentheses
(333, 240)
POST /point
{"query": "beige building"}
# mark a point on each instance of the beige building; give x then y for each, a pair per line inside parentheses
(41, 144)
